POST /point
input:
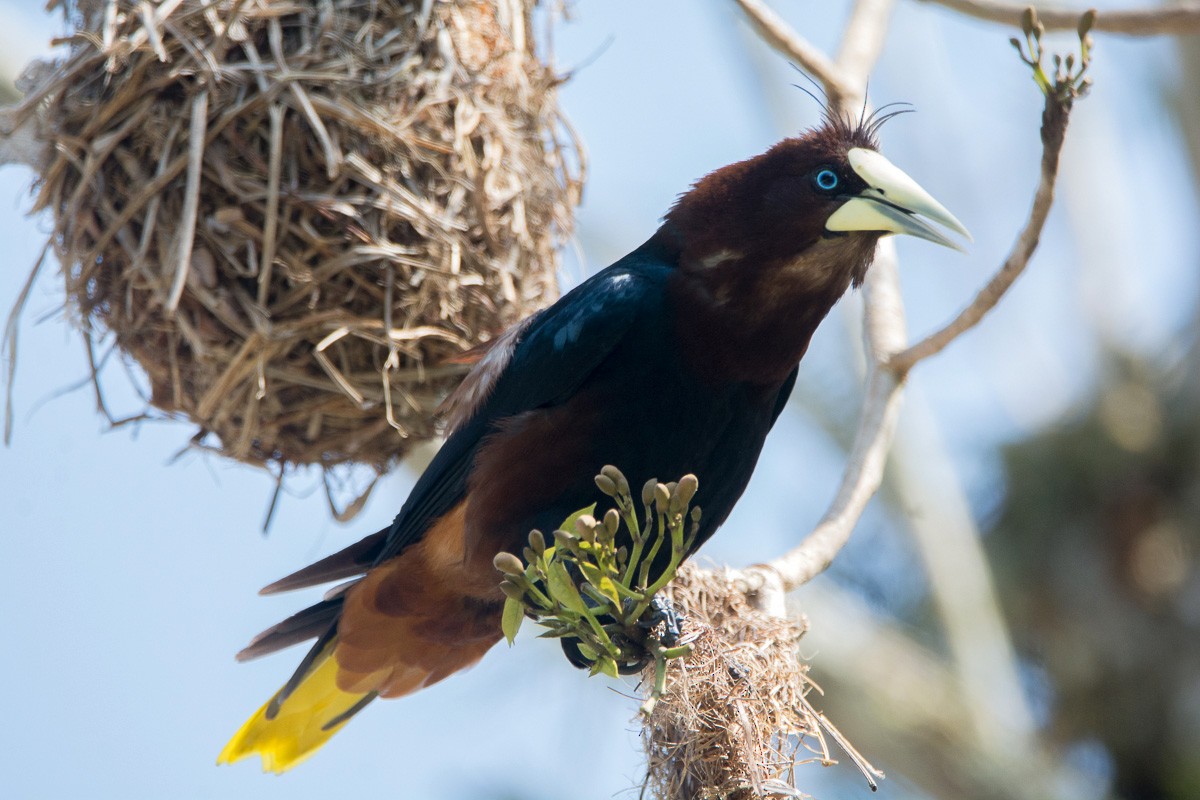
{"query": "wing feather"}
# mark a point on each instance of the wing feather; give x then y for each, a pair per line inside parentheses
(543, 364)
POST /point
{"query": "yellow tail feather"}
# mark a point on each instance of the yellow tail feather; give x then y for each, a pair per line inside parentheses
(299, 729)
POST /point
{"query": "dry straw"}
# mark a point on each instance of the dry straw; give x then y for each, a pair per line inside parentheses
(735, 720)
(292, 215)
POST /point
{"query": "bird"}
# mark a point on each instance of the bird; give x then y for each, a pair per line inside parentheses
(676, 359)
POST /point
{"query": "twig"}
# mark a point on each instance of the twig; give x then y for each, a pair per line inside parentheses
(191, 199)
(1001, 282)
(1179, 19)
(864, 472)
(8, 345)
(868, 454)
(791, 44)
(884, 322)
(863, 42)
(885, 334)
(1055, 116)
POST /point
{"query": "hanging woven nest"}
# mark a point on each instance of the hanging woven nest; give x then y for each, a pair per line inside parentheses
(293, 215)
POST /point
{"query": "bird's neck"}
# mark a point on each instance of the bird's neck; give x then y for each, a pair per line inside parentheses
(744, 320)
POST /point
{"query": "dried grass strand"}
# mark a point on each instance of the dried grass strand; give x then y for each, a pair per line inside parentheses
(736, 712)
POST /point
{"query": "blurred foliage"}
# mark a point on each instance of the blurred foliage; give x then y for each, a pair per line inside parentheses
(1096, 560)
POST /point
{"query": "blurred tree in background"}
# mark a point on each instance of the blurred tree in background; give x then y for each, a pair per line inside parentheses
(1096, 546)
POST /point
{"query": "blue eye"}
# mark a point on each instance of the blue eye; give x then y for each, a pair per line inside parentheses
(826, 180)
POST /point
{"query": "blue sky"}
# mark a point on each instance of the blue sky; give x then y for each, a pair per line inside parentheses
(128, 580)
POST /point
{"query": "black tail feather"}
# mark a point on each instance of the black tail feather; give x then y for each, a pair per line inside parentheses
(353, 560)
(301, 626)
(301, 672)
(350, 712)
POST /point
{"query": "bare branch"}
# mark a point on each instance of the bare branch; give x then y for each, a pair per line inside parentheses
(781, 36)
(884, 319)
(868, 454)
(1053, 130)
(885, 334)
(866, 33)
(1175, 20)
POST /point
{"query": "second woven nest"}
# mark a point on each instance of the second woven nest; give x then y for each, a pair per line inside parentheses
(293, 215)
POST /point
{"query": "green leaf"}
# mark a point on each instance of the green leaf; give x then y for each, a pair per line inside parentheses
(569, 523)
(563, 589)
(609, 588)
(590, 571)
(607, 665)
(510, 622)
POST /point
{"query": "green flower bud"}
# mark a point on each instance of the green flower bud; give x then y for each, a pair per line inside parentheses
(648, 492)
(688, 485)
(512, 590)
(537, 542)
(508, 564)
(617, 477)
(606, 485)
(1086, 22)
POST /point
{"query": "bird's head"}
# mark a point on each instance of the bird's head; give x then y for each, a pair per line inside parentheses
(806, 213)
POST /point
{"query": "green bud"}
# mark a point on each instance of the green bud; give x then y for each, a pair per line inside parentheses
(1086, 22)
(529, 556)
(612, 520)
(662, 496)
(648, 492)
(537, 542)
(617, 477)
(688, 485)
(695, 515)
(606, 485)
(508, 564)
(512, 590)
(565, 539)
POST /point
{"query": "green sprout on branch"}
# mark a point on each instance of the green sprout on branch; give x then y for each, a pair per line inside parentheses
(595, 586)
(1068, 82)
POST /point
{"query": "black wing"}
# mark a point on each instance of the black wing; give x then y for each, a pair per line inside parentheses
(556, 353)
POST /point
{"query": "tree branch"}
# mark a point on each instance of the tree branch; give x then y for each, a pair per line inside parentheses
(866, 33)
(884, 318)
(1179, 19)
(1054, 128)
(885, 334)
(781, 36)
